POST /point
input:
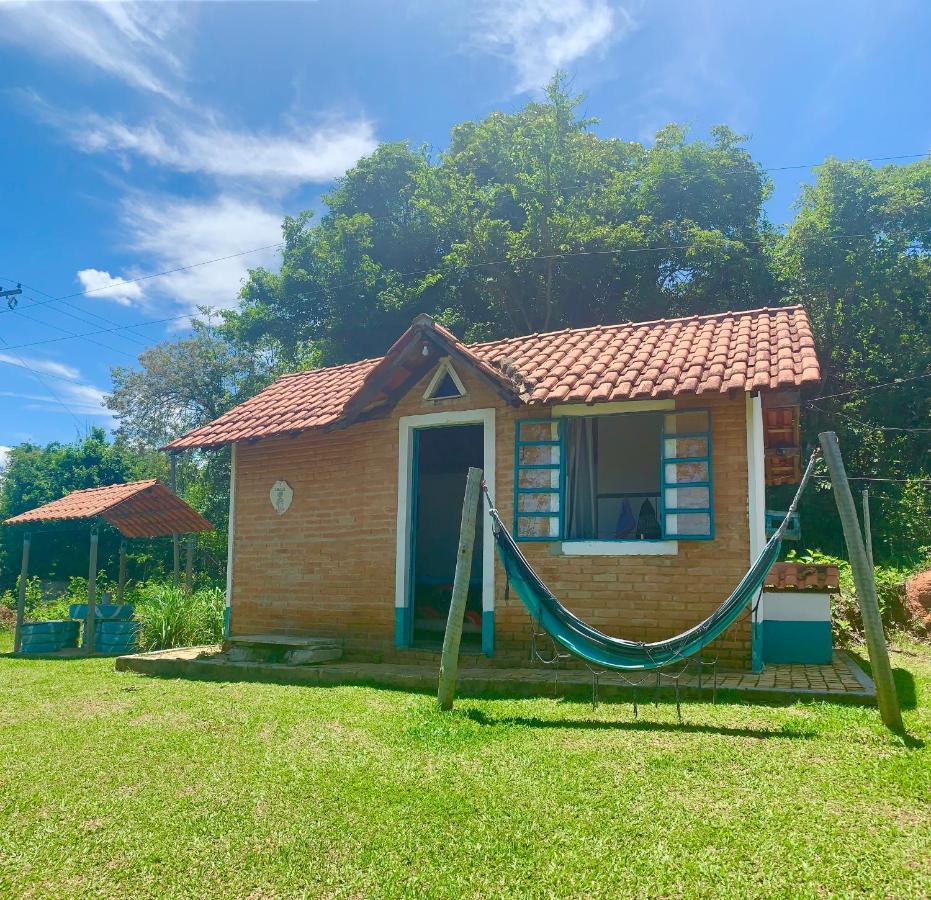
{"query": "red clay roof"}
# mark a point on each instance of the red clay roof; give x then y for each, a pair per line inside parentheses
(790, 576)
(763, 349)
(135, 509)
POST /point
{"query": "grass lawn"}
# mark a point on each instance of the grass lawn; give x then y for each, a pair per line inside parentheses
(120, 785)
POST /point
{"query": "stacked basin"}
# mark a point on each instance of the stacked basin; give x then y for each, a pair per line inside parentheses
(115, 629)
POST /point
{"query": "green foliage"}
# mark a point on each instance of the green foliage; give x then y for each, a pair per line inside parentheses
(172, 618)
(845, 609)
(858, 256)
(406, 234)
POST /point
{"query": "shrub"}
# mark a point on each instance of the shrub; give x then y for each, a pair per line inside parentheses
(845, 609)
(172, 618)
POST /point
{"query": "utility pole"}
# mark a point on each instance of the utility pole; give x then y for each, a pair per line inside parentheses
(865, 585)
(11, 296)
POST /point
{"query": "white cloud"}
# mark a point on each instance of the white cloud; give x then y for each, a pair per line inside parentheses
(4, 456)
(174, 233)
(68, 389)
(103, 284)
(207, 147)
(541, 36)
(79, 399)
(45, 366)
(129, 41)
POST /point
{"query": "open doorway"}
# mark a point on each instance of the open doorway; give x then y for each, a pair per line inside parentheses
(442, 457)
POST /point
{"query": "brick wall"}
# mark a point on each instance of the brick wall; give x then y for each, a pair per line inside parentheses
(327, 566)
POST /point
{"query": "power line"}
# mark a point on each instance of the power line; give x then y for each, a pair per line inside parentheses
(126, 281)
(925, 481)
(74, 334)
(279, 244)
(875, 387)
(862, 159)
(44, 384)
(101, 331)
(869, 425)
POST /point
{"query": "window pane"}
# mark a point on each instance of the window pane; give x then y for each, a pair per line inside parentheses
(697, 524)
(538, 526)
(688, 498)
(539, 431)
(538, 478)
(684, 472)
(686, 447)
(538, 503)
(685, 422)
(543, 455)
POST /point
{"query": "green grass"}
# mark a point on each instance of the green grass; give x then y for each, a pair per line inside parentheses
(118, 785)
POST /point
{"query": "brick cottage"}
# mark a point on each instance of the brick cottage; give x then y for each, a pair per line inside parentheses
(630, 459)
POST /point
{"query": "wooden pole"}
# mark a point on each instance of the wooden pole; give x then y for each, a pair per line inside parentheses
(449, 661)
(175, 545)
(121, 578)
(21, 599)
(91, 592)
(866, 586)
(867, 531)
(189, 565)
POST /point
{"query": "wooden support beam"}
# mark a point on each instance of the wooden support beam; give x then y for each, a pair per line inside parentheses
(175, 545)
(21, 599)
(91, 592)
(449, 661)
(865, 585)
(121, 577)
(189, 565)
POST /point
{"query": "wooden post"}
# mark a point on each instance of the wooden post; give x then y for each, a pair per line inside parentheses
(189, 565)
(866, 586)
(449, 661)
(21, 600)
(175, 544)
(867, 531)
(91, 592)
(121, 578)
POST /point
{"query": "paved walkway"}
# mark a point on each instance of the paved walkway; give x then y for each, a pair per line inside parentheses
(841, 680)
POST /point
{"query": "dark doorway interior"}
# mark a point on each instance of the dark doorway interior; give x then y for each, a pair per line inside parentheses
(442, 458)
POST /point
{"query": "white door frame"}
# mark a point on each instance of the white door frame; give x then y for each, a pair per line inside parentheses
(406, 427)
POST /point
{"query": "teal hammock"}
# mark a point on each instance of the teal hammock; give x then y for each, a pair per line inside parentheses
(599, 649)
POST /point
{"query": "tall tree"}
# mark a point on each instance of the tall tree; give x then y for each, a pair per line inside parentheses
(528, 221)
(858, 256)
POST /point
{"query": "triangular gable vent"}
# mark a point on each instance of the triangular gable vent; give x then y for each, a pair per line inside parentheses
(445, 383)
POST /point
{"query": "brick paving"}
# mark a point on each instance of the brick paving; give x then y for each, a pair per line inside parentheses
(842, 679)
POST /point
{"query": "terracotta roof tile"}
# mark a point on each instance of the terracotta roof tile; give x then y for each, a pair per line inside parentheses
(135, 509)
(761, 349)
(789, 576)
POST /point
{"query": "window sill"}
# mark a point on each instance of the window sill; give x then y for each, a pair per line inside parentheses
(620, 548)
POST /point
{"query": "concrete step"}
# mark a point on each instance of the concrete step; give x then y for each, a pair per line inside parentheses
(286, 649)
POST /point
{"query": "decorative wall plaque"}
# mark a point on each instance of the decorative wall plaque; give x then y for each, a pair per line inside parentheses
(281, 496)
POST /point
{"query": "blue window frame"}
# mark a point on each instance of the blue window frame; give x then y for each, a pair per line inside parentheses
(539, 478)
(686, 491)
(687, 496)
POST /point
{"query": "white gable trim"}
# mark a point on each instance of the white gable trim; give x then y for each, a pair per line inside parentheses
(444, 368)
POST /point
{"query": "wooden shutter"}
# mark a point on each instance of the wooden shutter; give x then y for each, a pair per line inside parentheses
(687, 499)
(539, 477)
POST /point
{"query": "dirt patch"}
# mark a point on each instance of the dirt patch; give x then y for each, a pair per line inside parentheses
(918, 599)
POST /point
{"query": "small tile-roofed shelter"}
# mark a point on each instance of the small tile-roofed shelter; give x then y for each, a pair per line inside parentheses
(629, 458)
(136, 509)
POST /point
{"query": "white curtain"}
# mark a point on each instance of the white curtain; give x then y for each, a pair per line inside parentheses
(580, 477)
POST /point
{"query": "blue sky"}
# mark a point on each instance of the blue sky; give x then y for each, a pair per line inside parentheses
(145, 137)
